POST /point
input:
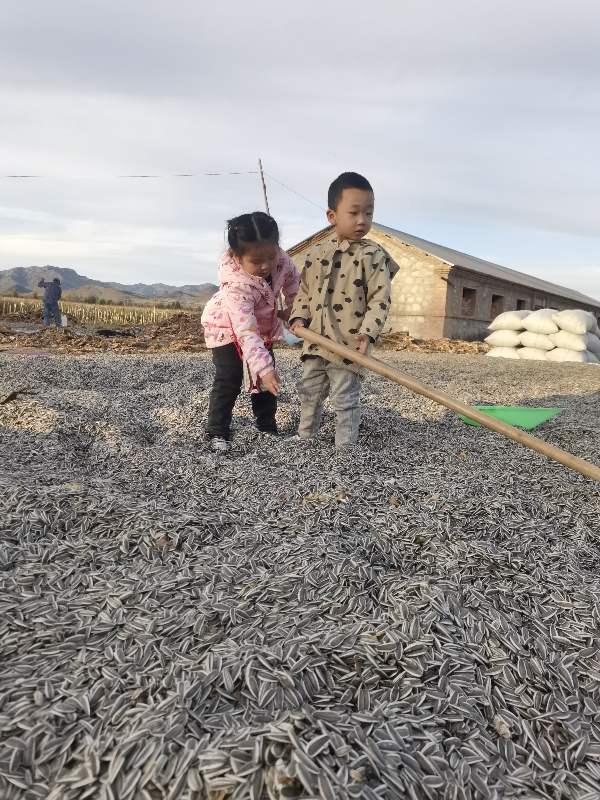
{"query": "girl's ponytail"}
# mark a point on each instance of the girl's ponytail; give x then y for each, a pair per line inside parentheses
(251, 229)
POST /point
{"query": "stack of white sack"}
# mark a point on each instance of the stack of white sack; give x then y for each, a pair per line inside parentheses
(536, 340)
(546, 335)
(505, 334)
(577, 338)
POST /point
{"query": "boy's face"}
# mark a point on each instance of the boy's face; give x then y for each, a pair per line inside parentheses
(353, 217)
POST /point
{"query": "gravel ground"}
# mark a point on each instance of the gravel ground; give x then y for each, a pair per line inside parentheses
(416, 616)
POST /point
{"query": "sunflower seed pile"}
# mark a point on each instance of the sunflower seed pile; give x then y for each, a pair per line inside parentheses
(414, 617)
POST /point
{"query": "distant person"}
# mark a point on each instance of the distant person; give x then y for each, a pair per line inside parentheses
(344, 295)
(241, 322)
(52, 294)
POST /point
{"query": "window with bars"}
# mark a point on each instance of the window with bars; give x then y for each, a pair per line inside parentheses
(469, 297)
(497, 305)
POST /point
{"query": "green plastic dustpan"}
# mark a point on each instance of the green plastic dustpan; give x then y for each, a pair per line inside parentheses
(519, 416)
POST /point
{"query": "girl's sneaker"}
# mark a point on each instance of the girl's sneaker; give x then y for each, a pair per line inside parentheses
(219, 445)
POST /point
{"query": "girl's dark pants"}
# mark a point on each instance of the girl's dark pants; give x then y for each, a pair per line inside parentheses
(226, 388)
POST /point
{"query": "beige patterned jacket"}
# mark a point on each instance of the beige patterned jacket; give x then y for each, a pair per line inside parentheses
(344, 290)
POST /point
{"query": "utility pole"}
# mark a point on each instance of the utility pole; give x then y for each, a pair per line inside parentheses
(262, 178)
(280, 304)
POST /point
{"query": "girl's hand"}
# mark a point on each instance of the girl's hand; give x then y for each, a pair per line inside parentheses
(271, 382)
(284, 315)
(297, 324)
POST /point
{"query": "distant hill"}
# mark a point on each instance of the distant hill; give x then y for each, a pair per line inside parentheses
(103, 293)
(25, 279)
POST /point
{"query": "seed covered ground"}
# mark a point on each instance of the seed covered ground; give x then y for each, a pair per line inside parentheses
(414, 617)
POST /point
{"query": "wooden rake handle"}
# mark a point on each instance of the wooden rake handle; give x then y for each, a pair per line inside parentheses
(381, 368)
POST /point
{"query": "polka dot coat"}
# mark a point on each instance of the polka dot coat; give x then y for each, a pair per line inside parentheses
(344, 290)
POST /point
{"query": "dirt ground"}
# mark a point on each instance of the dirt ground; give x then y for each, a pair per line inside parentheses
(179, 333)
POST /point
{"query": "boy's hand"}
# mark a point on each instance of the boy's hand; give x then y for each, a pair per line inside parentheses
(365, 341)
(271, 382)
(297, 324)
(284, 315)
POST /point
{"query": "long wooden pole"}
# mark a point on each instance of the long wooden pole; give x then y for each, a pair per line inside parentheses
(381, 368)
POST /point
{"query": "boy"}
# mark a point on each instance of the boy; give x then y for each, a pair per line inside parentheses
(345, 295)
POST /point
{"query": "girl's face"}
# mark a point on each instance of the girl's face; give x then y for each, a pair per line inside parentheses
(260, 260)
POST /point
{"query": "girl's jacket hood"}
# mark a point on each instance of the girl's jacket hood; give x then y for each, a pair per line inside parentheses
(246, 306)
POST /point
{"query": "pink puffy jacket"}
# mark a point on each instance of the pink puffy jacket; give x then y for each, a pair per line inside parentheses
(245, 304)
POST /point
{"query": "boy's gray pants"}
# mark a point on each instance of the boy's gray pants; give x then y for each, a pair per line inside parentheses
(322, 378)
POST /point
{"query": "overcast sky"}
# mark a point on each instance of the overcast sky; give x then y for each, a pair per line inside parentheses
(478, 124)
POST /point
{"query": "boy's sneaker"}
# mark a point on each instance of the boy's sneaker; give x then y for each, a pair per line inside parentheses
(219, 445)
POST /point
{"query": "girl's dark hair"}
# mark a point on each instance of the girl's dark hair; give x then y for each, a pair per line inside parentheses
(251, 229)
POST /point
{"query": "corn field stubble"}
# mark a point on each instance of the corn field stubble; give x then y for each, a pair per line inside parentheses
(86, 313)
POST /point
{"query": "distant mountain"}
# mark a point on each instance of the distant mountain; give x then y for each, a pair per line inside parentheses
(162, 289)
(26, 279)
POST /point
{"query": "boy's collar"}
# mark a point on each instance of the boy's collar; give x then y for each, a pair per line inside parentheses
(343, 246)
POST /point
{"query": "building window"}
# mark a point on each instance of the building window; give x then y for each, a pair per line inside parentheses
(468, 302)
(497, 305)
(522, 305)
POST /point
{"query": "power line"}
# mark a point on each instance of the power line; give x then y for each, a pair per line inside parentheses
(295, 192)
(101, 177)
(178, 175)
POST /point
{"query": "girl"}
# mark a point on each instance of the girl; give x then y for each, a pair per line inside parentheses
(241, 322)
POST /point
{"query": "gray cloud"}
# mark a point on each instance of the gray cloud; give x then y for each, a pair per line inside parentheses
(476, 122)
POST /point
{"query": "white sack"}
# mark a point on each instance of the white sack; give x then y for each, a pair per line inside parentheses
(575, 321)
(593, 343)
(533, 354)
(595, 330)
(506, 338)
(509, 321)
(503, 352)
(541, 321)
(571, 341)
(541, 341)
(564, 354)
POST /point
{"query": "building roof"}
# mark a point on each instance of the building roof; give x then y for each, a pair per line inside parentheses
(309, 240)
(457, 259)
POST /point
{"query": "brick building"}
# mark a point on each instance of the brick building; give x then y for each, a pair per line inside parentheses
(441, 292)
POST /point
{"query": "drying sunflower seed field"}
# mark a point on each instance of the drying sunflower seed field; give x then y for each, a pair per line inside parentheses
(417, 616)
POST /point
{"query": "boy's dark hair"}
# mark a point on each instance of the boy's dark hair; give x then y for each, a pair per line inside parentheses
(347, 180)
(56, 280)
(251, 229)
